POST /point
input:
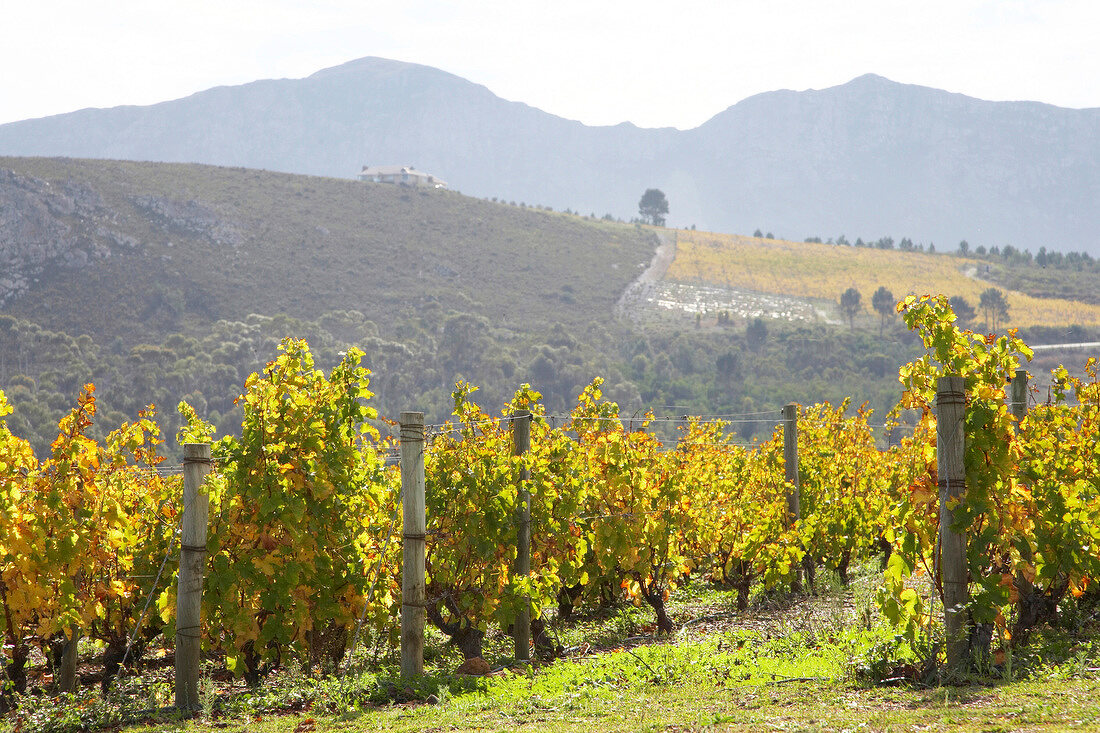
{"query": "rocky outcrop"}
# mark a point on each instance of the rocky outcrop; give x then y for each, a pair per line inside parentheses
(67, 224)
(44, 224)
(188, 218)
(31, 232)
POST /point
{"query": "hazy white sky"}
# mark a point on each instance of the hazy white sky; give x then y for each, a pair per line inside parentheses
(652, 63)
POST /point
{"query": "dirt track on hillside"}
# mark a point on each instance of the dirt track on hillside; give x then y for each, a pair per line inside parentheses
(644, 286)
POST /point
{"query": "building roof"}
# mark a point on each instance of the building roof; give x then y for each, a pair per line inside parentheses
(371, 171)
(390, 170)
(385, 170)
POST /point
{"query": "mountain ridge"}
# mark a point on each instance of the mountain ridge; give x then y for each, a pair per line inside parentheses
(868, 158)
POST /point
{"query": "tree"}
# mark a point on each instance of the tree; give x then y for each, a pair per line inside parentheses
(756, 333)
(729, 364)
(850, 305)
(884, 304)
(994, 307)
(964, 312)
(653, 206)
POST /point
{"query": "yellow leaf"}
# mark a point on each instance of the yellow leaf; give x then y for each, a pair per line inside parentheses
(264, 565)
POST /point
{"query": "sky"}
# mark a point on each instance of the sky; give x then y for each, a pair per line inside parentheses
(655, 64)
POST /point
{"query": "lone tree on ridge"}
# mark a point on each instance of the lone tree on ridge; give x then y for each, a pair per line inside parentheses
(653, 206)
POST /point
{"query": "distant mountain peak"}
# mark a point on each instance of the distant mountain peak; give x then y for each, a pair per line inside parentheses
(877, 84)
(869, 78)
(868, 158)
(377, 64)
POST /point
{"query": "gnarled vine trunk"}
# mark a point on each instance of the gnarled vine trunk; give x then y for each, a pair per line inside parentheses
(654, 596)
(467, 637)
(545, 644)
(810, 567)
(327, 644)
(742, 581)
(887, 550)
(254, 669)
(842, 567)
(567, 599)
(16, 672)
(1035, 606)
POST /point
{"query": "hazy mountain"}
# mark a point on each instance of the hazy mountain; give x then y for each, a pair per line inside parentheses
(868, 158)
(872, 157)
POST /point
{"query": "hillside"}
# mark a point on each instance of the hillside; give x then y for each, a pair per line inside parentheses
(139, 250)
(821, 272)
(169, 282)
(868, 158)
(162, 282)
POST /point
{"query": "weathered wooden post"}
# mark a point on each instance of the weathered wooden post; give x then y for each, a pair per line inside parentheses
(950, 447)
(1024, 587)
(196, 507)
(1019, 395)
(790, 469)
(521, 438)
(412, 546)
(66, 674)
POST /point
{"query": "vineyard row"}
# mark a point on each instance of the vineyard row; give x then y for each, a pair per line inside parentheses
(305, 548)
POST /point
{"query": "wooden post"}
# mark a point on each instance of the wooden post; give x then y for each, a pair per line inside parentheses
(790, 469)
(196, 508)
(412, 546)
(521, 437)
(950, 447)
(1024, 587)
(66, 677)
(1019, 395)
(790, 459)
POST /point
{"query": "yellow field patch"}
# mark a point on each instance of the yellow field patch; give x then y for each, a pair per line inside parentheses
(824, 271)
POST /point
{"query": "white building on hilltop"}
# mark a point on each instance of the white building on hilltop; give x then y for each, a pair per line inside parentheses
(402, 175)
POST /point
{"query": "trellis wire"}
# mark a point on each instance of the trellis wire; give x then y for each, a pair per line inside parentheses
(148, 600)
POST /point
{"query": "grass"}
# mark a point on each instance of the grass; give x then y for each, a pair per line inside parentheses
(823, 272)
(808, 706)
(614, 705)
(787, 664)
